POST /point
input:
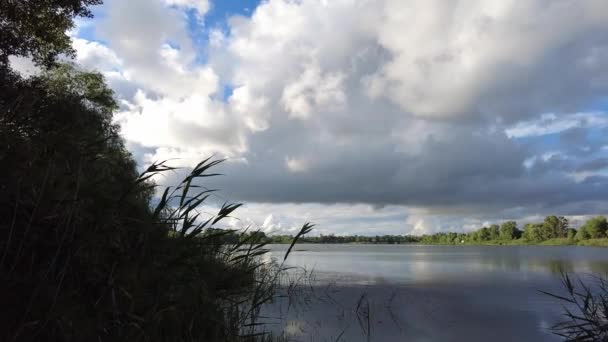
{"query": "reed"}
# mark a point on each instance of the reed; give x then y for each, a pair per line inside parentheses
(585, 309)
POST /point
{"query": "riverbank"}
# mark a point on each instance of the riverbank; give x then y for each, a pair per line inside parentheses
(603, 242)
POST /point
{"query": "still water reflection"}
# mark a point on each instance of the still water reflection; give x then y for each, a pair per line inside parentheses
(428, 293)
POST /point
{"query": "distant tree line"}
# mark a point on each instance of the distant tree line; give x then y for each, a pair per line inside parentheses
(377, 239)
(232, 236)
(553, 227)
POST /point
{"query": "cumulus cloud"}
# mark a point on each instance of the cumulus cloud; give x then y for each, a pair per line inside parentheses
(417, 107)
(313, 92)
(503, 59)
(94, 55)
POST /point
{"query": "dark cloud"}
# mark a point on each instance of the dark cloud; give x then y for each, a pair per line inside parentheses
(474, 112)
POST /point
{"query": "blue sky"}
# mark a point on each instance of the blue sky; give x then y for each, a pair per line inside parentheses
(387, 116)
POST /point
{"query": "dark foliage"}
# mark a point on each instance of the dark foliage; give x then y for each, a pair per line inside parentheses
(585, 310)
(83, 255)
(37, 28)
(378, 239)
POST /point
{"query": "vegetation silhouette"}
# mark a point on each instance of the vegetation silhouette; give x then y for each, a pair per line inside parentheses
(585, 306)
(87, 254)
(83, 254)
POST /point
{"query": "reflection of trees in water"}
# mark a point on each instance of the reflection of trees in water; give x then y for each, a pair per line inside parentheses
(338, 310)
(558, 267)
(402, 313)
(307, 308)
(553, 266)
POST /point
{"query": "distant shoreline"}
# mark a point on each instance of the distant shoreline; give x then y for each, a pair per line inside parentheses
(602, 242)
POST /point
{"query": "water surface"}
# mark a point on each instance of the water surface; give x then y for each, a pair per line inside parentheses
(428, 293)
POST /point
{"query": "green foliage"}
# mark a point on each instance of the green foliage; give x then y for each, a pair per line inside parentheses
(324, 239)
(556, 242)
(38, 28)
(533, 232)
(595, 228)
(494, 232)
(88, 87)
(484, 234)
(553, 231)
(582, 234)
(554, 227)
(603, 242)
(508, 230)
(84, 256)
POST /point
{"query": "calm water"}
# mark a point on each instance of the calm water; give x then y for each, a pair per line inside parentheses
(427, 293)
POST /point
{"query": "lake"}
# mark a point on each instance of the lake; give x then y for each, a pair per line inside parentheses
(426, 293)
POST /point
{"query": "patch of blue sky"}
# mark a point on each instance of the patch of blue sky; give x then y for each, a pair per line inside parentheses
(87, 26)
(215, 19)
(173, 44)
(222, 10)
(199, 34)
(598, 136)
(227, 92)
(224, 93)
(541, 142)
(600, 104)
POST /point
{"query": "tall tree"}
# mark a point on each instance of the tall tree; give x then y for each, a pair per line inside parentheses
(38, 28)
(508, 230)
(494, 232)
(594, 228)
(554, 227)
(533, 232)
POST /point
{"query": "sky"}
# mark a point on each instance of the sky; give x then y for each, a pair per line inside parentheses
(367, 116)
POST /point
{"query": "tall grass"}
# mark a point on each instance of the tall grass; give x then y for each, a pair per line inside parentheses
(165, 275)
(585, 306)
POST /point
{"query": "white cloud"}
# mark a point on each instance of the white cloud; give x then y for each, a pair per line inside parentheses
(202, 6)
(253, 109)
(187, 128)
(402, 104)
(94, 55)
(449, 58)
(550, 123)
(23, 65)
(313, 92)
(296, 165)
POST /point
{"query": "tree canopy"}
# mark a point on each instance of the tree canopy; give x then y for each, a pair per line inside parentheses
(84, 253)
(38, 28)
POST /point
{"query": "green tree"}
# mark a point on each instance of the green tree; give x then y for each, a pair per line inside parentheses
(508, 230)
(582, 234)
(494, 232)
(83, 257)
(38, 28)
(594, 228)
(554, 227)
(533, 232)
(484, 234)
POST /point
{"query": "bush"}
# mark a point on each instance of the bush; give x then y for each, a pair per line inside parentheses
(84, 256)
